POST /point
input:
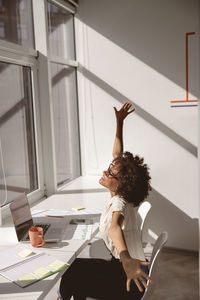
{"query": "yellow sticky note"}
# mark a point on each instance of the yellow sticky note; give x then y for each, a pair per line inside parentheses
(56, 265)
(26, 279)
(41, 272)
(78, 208)
(25, 253)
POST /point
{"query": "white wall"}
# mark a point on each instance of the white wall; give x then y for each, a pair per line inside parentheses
(135, 50)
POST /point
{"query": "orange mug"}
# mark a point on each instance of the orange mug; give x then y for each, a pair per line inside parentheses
(36, 236)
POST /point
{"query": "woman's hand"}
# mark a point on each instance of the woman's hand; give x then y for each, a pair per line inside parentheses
(133, 270)
(123, 112)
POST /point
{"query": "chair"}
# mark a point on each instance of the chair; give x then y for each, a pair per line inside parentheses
(99, 250)
(142, 212)
(160, 242)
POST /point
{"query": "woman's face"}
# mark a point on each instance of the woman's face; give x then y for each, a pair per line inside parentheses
(109, 178)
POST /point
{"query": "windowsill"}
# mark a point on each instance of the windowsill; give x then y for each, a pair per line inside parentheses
(88, 183)
(82, 184)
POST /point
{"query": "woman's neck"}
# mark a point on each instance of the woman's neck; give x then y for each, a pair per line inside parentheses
(112, 193)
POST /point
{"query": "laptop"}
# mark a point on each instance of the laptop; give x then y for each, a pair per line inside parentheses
(23, 221)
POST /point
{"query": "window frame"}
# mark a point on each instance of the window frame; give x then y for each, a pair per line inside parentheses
(13, 57)
(39, 61)
(64, 62)
(55, 58)
(65, 5)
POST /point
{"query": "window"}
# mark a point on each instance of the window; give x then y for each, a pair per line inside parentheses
(65, 122)
(18, 173)
(61, 32)
(16, 23)
(64, 94)
(18, 146)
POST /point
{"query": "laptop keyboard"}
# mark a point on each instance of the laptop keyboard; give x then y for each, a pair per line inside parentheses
(44, 226)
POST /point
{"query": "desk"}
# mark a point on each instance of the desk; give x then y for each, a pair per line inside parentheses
(65, 250)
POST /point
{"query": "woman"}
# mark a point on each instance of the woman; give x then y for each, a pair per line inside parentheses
(124, 276)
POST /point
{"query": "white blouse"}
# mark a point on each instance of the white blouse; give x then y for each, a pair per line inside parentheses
(129, 227)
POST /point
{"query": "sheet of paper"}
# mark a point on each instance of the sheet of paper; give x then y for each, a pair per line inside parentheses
(51, 212)
(26, 279)
(76, 211)
(87, 212)
(78, 232)
(41, 272)
(56, 265)
(25, 253)
(37, 211)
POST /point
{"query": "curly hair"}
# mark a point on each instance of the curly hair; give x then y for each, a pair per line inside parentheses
(134, 178)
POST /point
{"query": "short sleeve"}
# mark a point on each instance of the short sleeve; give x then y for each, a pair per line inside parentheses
(118, 204)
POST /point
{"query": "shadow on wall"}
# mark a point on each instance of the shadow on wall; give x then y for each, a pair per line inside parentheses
(164, 216)
(141, 112)
(153, 31)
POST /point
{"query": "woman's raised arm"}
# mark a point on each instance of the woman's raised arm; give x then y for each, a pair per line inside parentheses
(120, 116)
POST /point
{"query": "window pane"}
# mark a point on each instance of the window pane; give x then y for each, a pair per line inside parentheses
(16, 22)
(18, 161)
(61, 32)
(65, 122)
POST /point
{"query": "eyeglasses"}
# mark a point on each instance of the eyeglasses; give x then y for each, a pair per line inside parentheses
(111, 173)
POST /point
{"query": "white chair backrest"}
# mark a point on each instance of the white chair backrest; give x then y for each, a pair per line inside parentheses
(142, 213)
(160, 242)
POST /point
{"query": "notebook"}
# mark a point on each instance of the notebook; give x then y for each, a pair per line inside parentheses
(24, 266)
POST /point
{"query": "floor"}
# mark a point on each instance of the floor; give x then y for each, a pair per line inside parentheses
(177, 278)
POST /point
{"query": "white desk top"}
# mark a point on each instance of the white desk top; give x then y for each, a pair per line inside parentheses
(65, 250)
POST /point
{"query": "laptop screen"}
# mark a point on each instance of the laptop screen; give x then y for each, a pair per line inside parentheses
(21, 214)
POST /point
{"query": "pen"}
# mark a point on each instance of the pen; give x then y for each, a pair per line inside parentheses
(54, 216)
